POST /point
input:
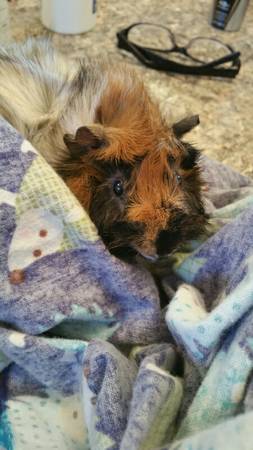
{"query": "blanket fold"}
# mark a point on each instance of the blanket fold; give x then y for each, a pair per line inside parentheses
(87, 358)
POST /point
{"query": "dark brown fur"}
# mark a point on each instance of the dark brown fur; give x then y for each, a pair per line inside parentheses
(95, 123)
(161, 206)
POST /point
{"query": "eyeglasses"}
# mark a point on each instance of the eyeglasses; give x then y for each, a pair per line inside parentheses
(225, 61)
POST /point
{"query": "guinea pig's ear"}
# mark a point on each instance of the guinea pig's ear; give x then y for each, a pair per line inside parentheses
(185, 125)
(86, 138)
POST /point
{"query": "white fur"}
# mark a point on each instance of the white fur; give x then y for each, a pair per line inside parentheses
(41, 96)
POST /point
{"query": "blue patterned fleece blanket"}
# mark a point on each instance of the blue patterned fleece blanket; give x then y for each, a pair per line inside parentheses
(88, 360)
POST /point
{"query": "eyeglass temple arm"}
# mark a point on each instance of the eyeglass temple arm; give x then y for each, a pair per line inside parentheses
(154, 61)
(125, 43)
(232, 57)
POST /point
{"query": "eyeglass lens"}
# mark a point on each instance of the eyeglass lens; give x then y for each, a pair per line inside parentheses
(200, 50)
(152, 36)
(205, 50)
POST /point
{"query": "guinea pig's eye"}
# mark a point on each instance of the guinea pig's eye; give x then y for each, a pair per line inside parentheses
(178, 178)
(118, 187)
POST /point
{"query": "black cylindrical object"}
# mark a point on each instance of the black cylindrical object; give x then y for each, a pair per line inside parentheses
(228, 14)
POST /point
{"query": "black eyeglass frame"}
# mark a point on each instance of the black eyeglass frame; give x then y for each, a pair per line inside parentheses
(150, 59)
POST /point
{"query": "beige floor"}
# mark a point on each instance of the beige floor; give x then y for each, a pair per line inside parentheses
(225, 107)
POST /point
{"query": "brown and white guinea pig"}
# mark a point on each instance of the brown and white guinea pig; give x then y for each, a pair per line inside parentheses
(96, 124)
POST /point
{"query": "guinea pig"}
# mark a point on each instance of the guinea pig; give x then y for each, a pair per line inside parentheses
(97, 125)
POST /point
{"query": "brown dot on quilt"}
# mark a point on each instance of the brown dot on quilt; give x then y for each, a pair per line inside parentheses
(86, 372)
(37, 253)
(16, 276)
(43, 233)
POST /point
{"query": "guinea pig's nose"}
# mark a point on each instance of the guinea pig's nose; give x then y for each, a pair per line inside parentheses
(166, 241)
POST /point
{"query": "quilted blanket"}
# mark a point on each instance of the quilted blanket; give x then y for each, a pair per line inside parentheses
(88, 360)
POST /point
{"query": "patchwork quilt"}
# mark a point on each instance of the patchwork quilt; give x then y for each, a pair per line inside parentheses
(88, 360)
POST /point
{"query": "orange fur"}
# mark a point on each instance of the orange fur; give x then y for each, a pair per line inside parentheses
(134, 132)
(96, 124)
(129, 129)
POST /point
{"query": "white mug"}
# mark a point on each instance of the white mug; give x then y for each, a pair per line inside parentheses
(68, 16)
